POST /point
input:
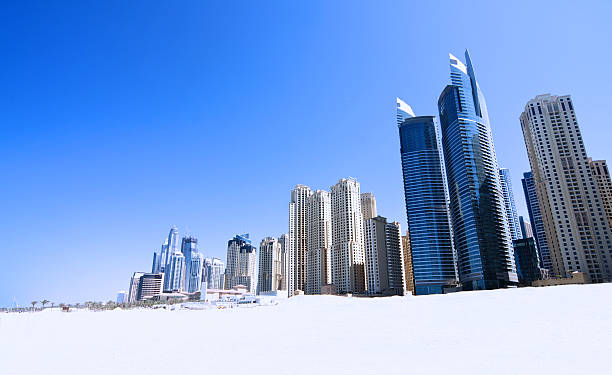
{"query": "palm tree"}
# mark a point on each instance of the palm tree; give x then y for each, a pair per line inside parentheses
(33, 303)
(44, 302)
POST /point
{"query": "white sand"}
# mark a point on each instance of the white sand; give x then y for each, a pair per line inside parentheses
(558, 330)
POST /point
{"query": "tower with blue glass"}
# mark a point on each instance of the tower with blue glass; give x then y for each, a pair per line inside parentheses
(431, 244)
(485, 256)
(535, 217)
(511, 213)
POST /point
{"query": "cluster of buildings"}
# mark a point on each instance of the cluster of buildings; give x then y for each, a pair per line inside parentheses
(463, 228)
(177, 273)
(338, 244)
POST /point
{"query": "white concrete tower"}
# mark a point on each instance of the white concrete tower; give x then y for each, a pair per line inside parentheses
(318, 254)
(297, 238)
(575, 222)
(271, 273)
(368, 206)
(348, 260)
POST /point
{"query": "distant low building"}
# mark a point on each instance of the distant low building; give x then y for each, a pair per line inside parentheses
(213, 295)
(577, 278)
(150, 286)
(122, 296)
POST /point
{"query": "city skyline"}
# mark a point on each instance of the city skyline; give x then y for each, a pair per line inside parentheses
(87, 172)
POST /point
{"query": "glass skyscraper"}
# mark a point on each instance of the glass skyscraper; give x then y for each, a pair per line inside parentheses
(433, 259)
(535, 217)
(511, 213)
(485, 256)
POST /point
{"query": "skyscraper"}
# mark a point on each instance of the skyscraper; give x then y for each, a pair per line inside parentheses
(526, 258)
(432, 262)
(511, 213)
(156, 267)
(297, 238)
(599, 169)
(404, 111)
(214, 273)
(283, 241)
(368, 206)
(169, 247)
(535, 217)
(174, 273)
(241, 263)
(194, 263)
(159, 258)
(271, 267)
(348, 258)
(318, 245)
(577, 230)
(408, 269)
(384, 257)
(478, 215)
(526, 230)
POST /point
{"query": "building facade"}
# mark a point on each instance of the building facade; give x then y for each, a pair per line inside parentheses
(194, 264)
(384, 257)
(535, 218)
(527, 261)
(318, 244)
(408, 269)
(133, 289)
(174, 273)
(241, 263)
(150, 286)
(482, 239)
(347, 254)
(271, 267)
(283, 241)
(213, 275)
(432, 257)
(599, 170)
(368, 206)
(511, 212)
(298, 238)
(526, 229)
(576, 226)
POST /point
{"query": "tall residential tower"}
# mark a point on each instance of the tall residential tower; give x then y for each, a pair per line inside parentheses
(575, 222)
(348, 259)
(297, 238)
(482, 239)
(429, 243)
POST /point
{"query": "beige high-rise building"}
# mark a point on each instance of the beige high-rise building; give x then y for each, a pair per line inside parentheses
(348, 258)
(271, 267)
(283, 241)
(408, 269)
(318, 253)
(384, 257)
(368, 206)
(576, 226)
(297, 239)
(599, 168)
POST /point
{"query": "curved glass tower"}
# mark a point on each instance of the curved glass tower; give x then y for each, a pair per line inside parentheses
(485, 257)
(433, 259)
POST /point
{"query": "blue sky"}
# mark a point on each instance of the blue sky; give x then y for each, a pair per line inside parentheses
(120, 120)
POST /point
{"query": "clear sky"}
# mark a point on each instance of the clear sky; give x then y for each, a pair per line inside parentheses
(119, 120)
